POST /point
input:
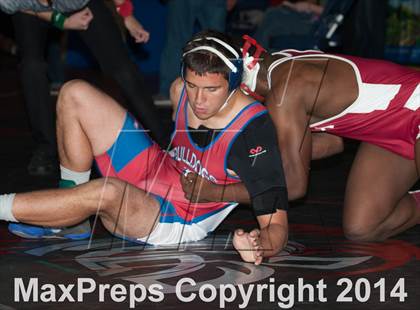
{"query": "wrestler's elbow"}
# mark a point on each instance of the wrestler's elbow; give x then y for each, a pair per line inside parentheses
(297, 191)
(297, 176)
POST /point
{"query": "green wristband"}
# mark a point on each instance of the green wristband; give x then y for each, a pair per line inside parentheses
(58, 19)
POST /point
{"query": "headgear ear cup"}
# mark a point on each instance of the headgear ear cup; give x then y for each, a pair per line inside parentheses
(235, 78)
(234, 63)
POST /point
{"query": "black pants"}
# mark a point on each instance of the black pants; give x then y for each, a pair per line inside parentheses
(364, 29)
(105, 42)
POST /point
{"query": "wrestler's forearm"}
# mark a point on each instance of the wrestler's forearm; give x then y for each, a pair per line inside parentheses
(273, 239)
(234, 192)
(296, 179)
(296, 158)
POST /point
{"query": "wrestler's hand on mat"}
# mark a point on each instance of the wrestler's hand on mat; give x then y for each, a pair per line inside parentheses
(198, 189)
(248, 245)
(136, 30)
(79, 20)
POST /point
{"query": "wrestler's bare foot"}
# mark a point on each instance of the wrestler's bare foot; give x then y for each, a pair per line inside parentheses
(248, 246)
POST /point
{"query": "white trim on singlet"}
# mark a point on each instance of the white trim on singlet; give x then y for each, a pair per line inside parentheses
(284, 52)
(364, 88)
(281, 53)
(315, 56)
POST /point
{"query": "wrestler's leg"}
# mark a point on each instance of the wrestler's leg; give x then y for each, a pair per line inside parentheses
(417, 158)
(416, 193)
(377, 204)
(123, 208)
(88, 123)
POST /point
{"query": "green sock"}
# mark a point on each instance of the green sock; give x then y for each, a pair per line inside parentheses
(66, 183)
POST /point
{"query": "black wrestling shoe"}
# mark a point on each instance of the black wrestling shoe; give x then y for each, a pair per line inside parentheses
(42, 163)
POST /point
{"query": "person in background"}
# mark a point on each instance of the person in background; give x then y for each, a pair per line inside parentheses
(287, 19)
(364, 29)
(97, 28)
(181, 21)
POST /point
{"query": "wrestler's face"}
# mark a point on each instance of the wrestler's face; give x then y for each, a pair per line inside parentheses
(206, 93)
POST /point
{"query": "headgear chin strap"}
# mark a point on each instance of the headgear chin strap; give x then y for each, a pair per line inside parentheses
(227, 100)
(234, 64)
(251, 67)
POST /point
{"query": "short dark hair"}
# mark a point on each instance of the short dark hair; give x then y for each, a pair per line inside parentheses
(203, 61)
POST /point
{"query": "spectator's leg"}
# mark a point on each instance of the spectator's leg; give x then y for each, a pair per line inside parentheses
(282, 23)
(105, 42)
(31, 35)
(179, 29)
(211, 14)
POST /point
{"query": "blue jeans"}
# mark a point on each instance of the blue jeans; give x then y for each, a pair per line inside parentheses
(182, 16)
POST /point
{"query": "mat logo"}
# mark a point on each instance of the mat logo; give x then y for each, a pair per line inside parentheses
(214, 261)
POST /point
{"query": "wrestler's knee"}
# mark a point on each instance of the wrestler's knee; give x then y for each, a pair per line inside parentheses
(110, 191)
(72, 88)
(357, 230)
(71, 96)
(356, 234)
